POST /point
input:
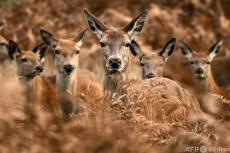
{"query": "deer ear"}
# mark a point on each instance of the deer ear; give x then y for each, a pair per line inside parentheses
(135, 48)
(48, 38)
(136, 25)
(94, 24)
(14, 50)
(80, 37)
(186, 51)
(214, 49)
(168, 48)
(40, 50)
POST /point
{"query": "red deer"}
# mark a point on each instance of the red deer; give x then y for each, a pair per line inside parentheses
(161, 98)
(152, 63)
(39, 90)
(66, 62)
(200, 64)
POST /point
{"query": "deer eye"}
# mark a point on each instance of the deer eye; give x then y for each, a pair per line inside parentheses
(24, 60)
(102, 44)
(127, 45)
(191, 62)
(77, 51)
(208, 62)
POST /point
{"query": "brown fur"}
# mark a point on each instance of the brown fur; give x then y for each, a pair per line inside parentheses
(166, 100)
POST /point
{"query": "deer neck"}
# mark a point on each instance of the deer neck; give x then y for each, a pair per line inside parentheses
(211, 81)
(32, 87)
(67, 84)
(114, 83)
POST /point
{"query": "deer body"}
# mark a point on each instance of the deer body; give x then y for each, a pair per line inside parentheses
(116, 53)
(217, 103)
(65, 61)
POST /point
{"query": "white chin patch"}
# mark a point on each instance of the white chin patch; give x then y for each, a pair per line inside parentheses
(201, 75)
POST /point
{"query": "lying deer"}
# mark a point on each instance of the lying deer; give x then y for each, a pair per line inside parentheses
(152, 63)
(200, 64)
(39, 91)
(68, 85)
(161, 98)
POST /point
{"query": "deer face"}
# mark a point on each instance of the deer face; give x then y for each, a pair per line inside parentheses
(152, 63)
(66, 51)
(200, 62)
(115, 50)
(115, 42)
(28, 62)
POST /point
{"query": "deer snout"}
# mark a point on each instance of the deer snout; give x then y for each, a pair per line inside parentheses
(115, 63)
(199, 71)
(68, 68)
(39, 69)
(149, 75)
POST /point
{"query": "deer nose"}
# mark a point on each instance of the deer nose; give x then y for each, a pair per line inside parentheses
(199, 71)
(68, 68)
(115, 62)
(149, 75)
(39, 69)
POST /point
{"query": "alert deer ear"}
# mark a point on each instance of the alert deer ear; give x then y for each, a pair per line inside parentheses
(80, 37)
(48, 38)
(135, 48)
(40, 50)
(186, 51)
(95, 25)
(136, 25)
(168, 48)
(214, 49)
(14, 50)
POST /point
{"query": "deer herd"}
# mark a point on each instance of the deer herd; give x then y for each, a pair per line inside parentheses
(59, 92)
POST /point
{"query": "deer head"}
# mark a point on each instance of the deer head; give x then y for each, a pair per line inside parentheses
(28, 62)
(66, 51)
(200, 62)
(152, 63)
(115, 42)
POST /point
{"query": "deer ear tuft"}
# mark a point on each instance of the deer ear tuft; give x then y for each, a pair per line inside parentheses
(48, 38)
(136, 25)
(186, 51)
(40, 50)
(214, 49)
(95, 25)
(168, 48)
